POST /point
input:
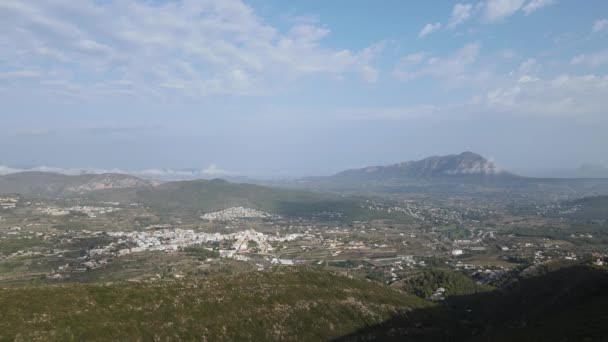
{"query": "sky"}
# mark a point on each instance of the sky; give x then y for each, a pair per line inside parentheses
(271, 88)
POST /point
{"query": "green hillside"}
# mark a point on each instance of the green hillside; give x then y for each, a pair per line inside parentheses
(566, 303)
(190, 198)
(51, 185)
(426, 282)
(595, 207)
(284, 304)
(201, 196)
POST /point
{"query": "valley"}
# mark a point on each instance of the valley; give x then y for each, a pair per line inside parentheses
(266, 170)
(435, 247)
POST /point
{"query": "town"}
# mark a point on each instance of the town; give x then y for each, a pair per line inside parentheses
(63, 241)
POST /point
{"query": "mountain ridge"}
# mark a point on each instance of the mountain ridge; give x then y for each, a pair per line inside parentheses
(463, 164)
(55, 184)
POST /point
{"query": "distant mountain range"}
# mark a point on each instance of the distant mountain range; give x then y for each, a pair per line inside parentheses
(189, 198)
(466, 173)
(466, 164)
(50, 184)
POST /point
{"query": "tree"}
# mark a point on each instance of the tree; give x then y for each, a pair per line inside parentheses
(253, 246)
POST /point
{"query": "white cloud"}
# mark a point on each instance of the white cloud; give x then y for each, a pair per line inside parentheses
(460, 14)
(591, 60)
(599, 25)
(143, 49)
(528, 66)
(564, 95)
(491, 11)
(413, 58)
(573, 96)
(527, 79)
(496, 10)
(534, 5)
(5, 170)
(452, 70)
(428, 29)
(214, 170)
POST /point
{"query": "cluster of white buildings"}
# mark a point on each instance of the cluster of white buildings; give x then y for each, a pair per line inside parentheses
(420, 211)
(236, 213)
(457, 252)
(175, 239)
(558, 209)
(8, 203)
(90, 211)
(328, 215)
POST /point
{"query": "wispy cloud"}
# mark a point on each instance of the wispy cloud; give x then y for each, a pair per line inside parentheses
(493, 11)
(591, 60)
(522, 95)
(428, 29)
(529, 66)
(451, 70)
(524, 91)
(496, 10)
(599, 25)
(143, 49)
(460, 14)
(564, 95)
(215, 170)
(535, 5)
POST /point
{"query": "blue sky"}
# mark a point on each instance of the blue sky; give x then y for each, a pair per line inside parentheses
(292, 88)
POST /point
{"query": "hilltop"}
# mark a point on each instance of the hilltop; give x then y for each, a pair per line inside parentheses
(188, 198)
(203, 196)
(466, 173)
(564, 302)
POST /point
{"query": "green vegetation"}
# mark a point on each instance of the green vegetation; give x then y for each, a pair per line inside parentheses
(12, 245)
(564, 304)
(577, 233)
(192, 198)
(9, 265)
(254, 246)
(283, 304)
(426, 282)
(201, 253)
(455, 231)
(592, 208)
(563, 301)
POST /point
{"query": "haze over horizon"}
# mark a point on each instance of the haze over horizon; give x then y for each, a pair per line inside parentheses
(585, 170)
(267, 88)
